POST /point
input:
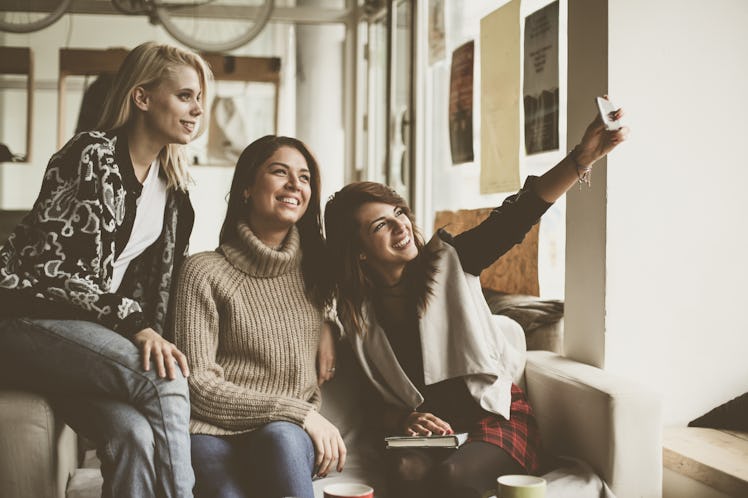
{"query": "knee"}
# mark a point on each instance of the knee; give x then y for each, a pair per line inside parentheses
(177, 387)
(285, 436)
(211, 456)
(407, 467)
(452, 476)
(131, 439)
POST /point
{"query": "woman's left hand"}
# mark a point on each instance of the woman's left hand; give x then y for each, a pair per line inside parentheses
(326, 354)
(165, 355)
(597, 141)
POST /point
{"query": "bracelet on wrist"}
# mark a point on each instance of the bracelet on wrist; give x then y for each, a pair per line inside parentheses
(584, 173)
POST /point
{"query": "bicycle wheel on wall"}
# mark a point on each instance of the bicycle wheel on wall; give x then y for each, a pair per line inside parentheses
(27, 16)
(213, 25)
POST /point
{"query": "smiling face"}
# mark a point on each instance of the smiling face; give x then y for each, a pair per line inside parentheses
(387, 240)
(172, 108)
(280, 193)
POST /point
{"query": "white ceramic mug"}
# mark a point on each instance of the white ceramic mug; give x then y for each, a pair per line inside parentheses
(348, 490)
(520, 486)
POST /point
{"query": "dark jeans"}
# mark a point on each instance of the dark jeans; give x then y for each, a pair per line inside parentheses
(274, 461)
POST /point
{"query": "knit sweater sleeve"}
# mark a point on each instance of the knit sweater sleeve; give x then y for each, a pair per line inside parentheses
(215, 399)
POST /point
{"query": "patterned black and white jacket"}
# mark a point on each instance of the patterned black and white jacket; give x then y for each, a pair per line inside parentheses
(57, 263)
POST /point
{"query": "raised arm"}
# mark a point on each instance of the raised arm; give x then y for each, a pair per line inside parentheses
(505, 227)
(577, 166)
(508, 224)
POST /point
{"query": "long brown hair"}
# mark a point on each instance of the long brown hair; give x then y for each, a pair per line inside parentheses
(146, 66)
(313, 261)
(353, 278)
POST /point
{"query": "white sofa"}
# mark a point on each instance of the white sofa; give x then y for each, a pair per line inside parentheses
(584, 412)
(38, 453)
(611, 423)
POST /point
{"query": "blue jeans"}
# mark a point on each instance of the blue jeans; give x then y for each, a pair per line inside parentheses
(271, 462)
(139, 421)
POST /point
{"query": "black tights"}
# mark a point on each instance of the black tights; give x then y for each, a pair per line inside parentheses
(464, 473)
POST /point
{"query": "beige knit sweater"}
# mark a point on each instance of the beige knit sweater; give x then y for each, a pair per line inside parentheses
(250, 335)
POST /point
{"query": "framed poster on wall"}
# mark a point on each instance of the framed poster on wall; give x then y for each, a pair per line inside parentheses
(541, 94)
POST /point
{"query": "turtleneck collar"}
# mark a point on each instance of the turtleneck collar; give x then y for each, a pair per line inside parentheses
(250, 255)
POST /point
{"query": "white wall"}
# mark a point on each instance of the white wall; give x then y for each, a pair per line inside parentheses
(676, 216)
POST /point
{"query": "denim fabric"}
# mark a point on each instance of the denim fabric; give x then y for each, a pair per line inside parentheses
(70, 358)
(124, 440)
(274, 461)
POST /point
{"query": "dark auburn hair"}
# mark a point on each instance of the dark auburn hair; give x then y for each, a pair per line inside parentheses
(353, 277)
(316, 280)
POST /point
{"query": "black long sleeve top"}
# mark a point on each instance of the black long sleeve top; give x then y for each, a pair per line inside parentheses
(477, 249)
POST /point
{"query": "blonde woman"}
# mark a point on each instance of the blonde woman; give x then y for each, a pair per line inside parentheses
(85, 278)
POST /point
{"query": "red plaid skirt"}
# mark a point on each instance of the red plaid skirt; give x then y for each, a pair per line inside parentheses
(519, 436)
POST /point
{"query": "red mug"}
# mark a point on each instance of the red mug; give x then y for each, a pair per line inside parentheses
(348, 490)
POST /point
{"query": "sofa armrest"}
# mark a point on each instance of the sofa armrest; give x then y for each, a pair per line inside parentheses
(610, 422)
(38, 452)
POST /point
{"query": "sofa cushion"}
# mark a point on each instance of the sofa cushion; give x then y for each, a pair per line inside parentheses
(348, 402)
(541, 319)
(529, 311)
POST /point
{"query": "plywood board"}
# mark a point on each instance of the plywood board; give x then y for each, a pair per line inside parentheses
(516, 272)
(716, 458)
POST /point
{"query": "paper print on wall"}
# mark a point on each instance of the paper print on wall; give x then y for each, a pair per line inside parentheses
(461, 104)
(541, 97)
(241, 113)
(437, 32)
(500, 94)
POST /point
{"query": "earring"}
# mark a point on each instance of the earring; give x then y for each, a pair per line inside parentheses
(246, 201)
(362, 257)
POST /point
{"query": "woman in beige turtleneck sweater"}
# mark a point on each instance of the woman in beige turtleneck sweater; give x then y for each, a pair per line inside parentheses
(248, 316)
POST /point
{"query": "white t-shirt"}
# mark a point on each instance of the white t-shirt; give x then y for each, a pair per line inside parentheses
(149, 221)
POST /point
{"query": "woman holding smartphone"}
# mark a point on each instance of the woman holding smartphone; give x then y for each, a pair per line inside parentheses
(422, 331)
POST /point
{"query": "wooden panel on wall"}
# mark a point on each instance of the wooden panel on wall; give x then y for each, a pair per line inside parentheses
(517, 271)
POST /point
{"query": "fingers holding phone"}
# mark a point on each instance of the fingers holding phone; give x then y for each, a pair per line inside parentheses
(609, 114)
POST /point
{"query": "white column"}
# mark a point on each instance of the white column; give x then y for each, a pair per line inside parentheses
(585, 295)
(319, 97)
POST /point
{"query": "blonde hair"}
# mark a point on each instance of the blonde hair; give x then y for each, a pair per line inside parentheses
(146, 66)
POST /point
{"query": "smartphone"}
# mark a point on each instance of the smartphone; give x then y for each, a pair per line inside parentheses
(606, 107)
